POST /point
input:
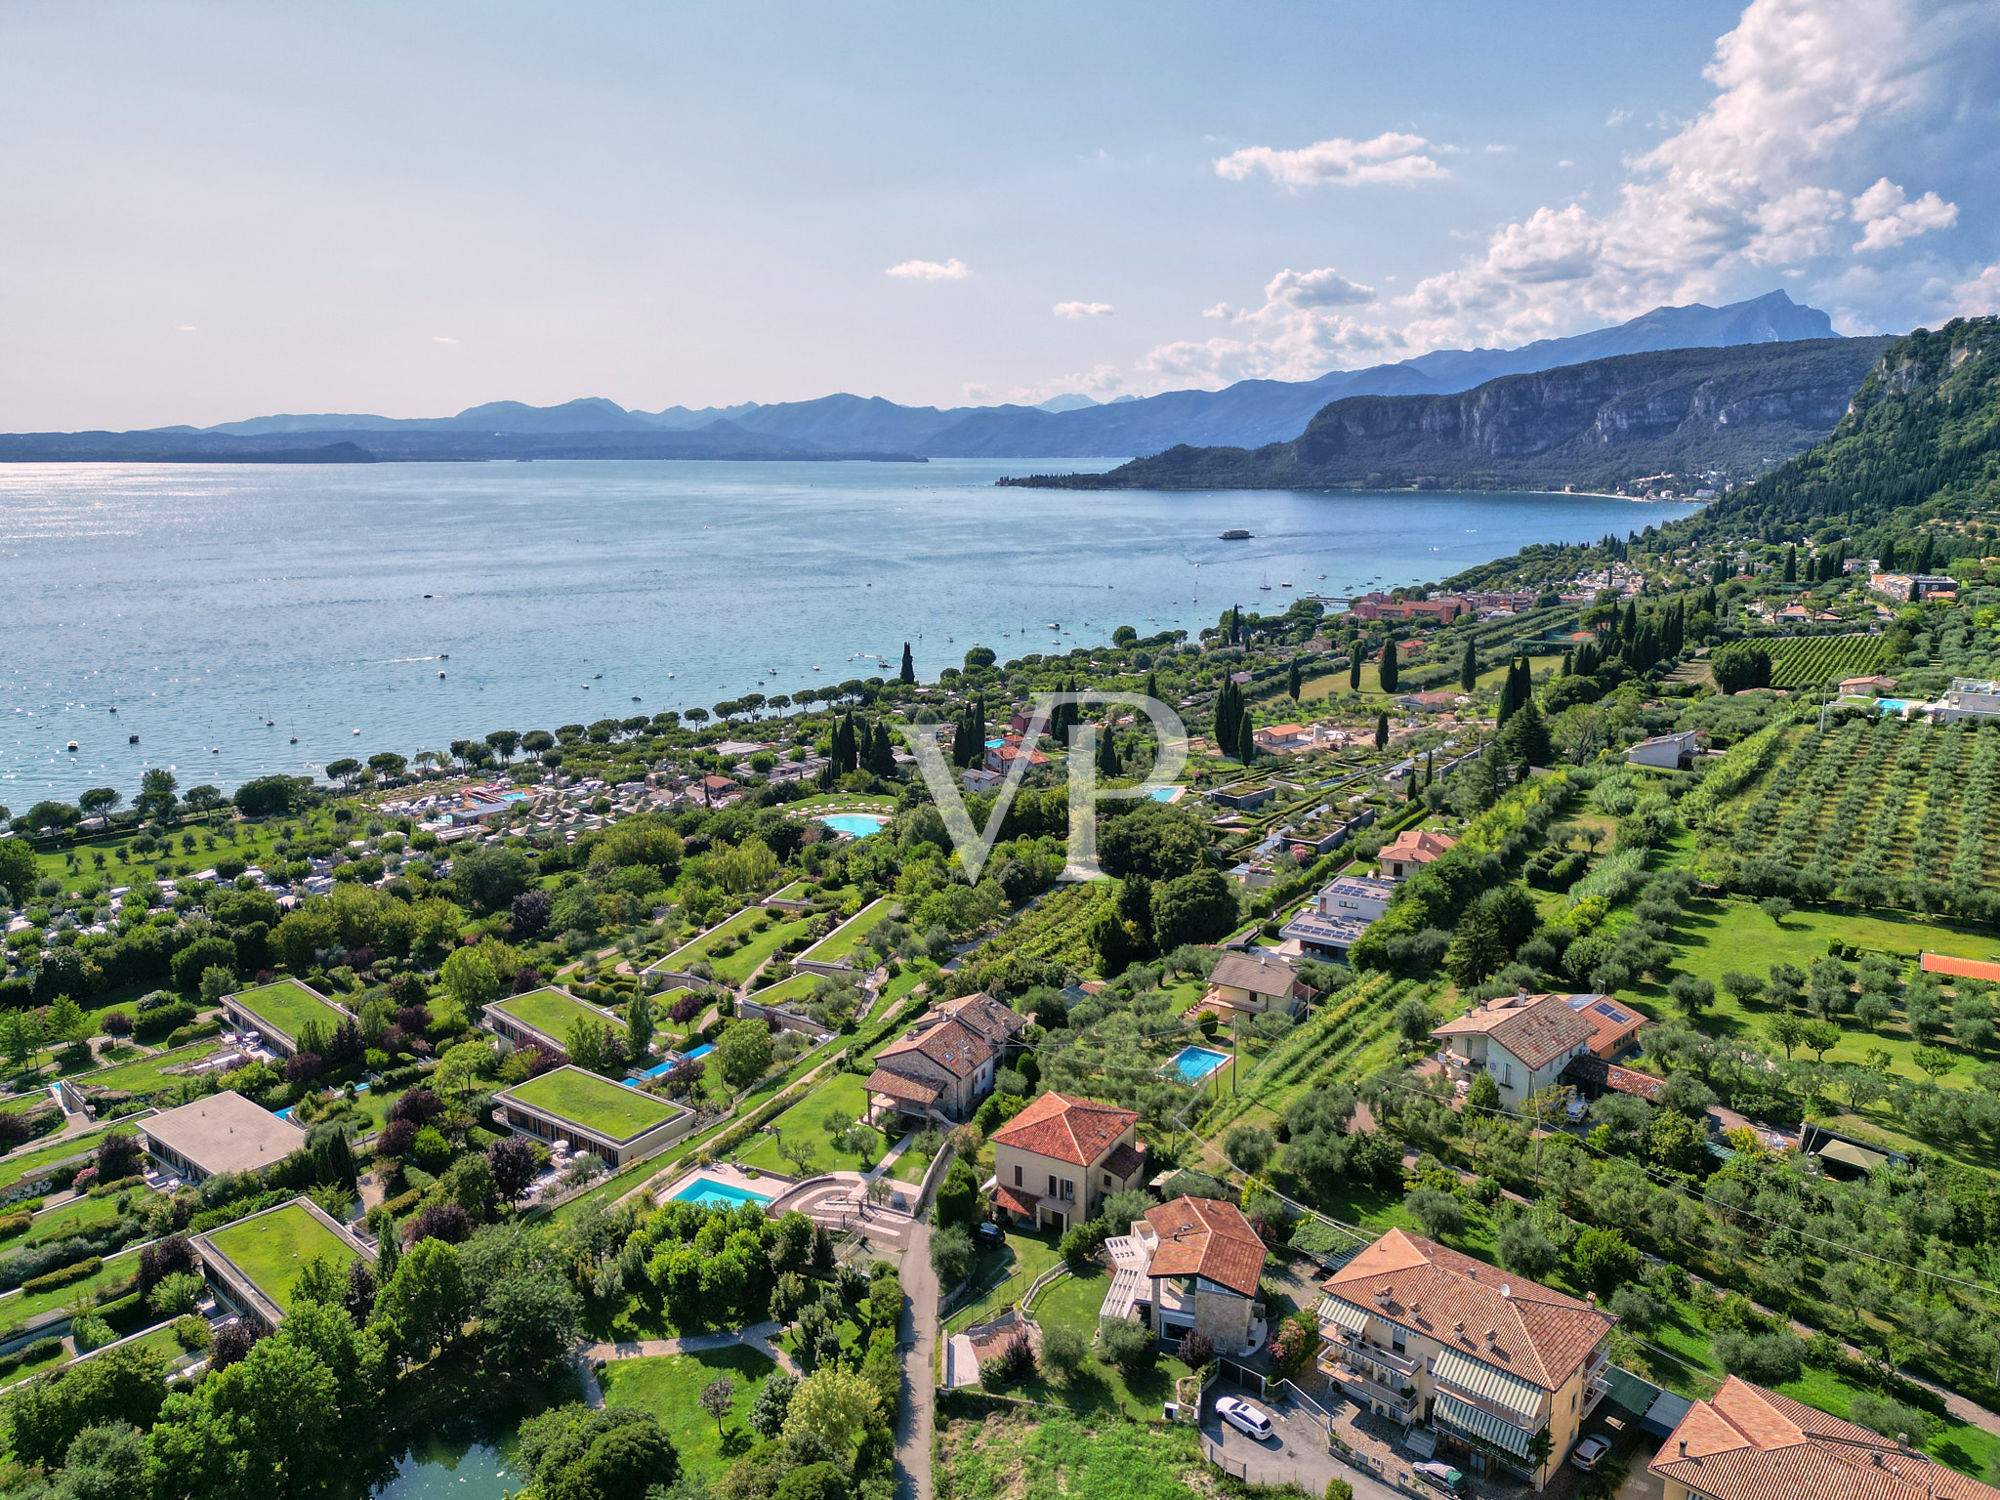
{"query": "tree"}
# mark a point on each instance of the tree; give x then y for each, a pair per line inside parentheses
(120, 1385)
(832, 1406)
(1389, 672)
(951, 1254)
(514, 1163)
(1603, 1260)
(716, 1398)
(469, 978)
(1130, 1347)
(156, 793)
(1524, 1248)
(1691, 995)
(489, 877)
(1294, 680)
(1437, 1213)
(1777, 908)
(1786, 1029)
(268, 1425)
(774, 1401)
(426, 1302)
(1483, 1093)
(1246, 740)
(1740, 666)
(1820, 1037)
(1354, 668)
(1468, 666)
(105, 1462)
(615, 1453)
(743, 1052)
(17, 871)
(908, 674)
(1381, 731)
(1249, 1147)
(1199, 907)
(1934, 1061)
(1064, 1349)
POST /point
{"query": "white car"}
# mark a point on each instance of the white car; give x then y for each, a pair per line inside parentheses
(1244, 1417)
(1590, 1452)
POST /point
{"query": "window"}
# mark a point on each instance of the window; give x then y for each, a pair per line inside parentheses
(1107, 1179)
(1017, 1174)
(1398, 1340)
(1069, 1191)
(1052, 1184)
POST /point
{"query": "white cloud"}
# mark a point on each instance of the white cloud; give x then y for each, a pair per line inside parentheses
(1390, 157)
(931, 270)
(1888, 217)
(443, 338)
(1979, 297)
(1083, 309)
(1296, 333)
(1616, 118)
(1325, 287)
(186, 328)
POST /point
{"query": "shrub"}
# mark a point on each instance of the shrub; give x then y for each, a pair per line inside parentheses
(1130, 1347)
(1890, 1417)
(193, 1333)
(1197, 1349)
(80, 1271)
(176, 1295)
(1079, 1245)
(1762, 1359)
(1012, 1362)
(1064, 1349)
(1339, 1489)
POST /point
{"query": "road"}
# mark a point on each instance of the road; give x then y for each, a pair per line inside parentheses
(917, 1334)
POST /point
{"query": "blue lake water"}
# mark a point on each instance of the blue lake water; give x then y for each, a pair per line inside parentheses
(202, 601)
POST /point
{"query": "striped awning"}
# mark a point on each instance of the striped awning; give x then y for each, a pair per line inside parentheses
(1343, 1313)
(1454, 1367)
(1480, 1424)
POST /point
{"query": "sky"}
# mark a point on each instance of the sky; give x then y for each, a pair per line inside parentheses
(215, 211)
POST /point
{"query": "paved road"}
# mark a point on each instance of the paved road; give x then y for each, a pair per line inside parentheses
(917, 1332)
(1296, 1454)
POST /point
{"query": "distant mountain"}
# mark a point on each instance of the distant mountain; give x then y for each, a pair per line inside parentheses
(1247, 414)
(1595, 425)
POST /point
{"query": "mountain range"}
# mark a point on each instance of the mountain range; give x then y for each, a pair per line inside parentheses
(1249, 413)
(1601, 425)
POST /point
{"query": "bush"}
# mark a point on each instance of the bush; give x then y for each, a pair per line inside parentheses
(1339, 1489)
(1012, 1362)
(193, 1333)
(80, 1271)
(1064, 1349)
(14, 1224)
(29, 1354)
(1197, 1349)
(1130, 1347)
(1762, 1359)
(1080, 1245)
(1891, 1418)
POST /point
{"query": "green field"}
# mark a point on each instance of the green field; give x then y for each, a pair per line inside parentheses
(1004, 1275)
(849, 937)
(288, 1006)
(18, 1307)
(33, 1157)
(80, 1213)
(846, 1094)
(1053, 1455)
(551, 1011)
(272, 1248)
(146, 1075)
(668, 1386)
(597, 1104)
(787, 991)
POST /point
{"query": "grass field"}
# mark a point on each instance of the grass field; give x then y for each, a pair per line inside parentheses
(846, 1094)
(1055, 1455)
(1004, 1275)
(288, 1006)
(595, 1103)
(120, 1269)
(146, 1075)
(846, 939)
(33, 1157)
(78, 1214)
(787, 991)
(551, 1011)
(669, 1386)
(272, 1248)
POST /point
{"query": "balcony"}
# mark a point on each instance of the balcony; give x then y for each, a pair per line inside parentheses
(1400, 1367)
(1364, 1389)
(1490, 1407)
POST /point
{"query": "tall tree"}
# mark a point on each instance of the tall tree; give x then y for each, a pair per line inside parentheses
(1381, 731)
(1468, 667)
(1390, 673)
(909, 671)
(1354, 667)
(1294, 680)
(1246, 740)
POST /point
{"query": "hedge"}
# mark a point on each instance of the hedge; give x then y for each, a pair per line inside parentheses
(28, 1354)
(13, 1224)
(79, 1271)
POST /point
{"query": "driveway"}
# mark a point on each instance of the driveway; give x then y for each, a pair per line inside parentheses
(1296, 1453)
(917, 1334)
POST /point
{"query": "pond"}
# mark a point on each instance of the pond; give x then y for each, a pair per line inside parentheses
(470, 1464)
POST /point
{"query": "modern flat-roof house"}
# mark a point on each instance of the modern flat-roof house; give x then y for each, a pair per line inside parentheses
(543, 1018)
(593, 1114)
(1666, 752)
(1419, 1333)
(1248, 984)
(1527, 1041)
(1411, 850)
(1057, 1160)
(1190, 1266)
(944, 1064)
(254, 1263)
(1968, 698)
(1747, 1443)
(1340, 913)
(1244, 796)
(222, 1133)
(280, 1011)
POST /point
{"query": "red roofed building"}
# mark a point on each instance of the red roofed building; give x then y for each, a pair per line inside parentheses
(1412, 849)
(1419, 1332)
(1747, 1443)
(1057, 1160)
(1524, 1041)
(1961, 968)
(1190, 1266)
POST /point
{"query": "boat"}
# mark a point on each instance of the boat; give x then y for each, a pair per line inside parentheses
(1284, 583)
(1235, 534)
(131, 739)
(440, 674)
(72, 747)
(295, 738)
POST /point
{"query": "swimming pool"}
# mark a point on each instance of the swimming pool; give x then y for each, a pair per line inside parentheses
(700, 1052)
(855, 825)
(709, 1193)
(1892, 705)
(1164, 793)
(1194, 1063)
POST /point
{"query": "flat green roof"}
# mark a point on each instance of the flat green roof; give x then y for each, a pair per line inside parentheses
(550, 1011)
(610, 1109)
(288, 1006)
(272, 1248)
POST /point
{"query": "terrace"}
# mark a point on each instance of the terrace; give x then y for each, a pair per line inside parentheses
(255, 1262)
(282, 1010)
(583, 1112)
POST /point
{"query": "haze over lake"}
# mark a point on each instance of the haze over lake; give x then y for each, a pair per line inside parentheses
(201, 602)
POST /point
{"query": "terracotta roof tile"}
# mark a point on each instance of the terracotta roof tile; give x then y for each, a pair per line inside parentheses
(1064, 1128)
(1208, 1238)
(1539, 1335)
(1537, 1030)
(898, 1086)
(1124, 1161)
(951, 1045)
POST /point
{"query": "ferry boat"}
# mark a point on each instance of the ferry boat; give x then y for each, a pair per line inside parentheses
(1235, 534)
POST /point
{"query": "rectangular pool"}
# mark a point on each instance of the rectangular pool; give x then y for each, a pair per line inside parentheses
(709, 1193)
(1192, 1064)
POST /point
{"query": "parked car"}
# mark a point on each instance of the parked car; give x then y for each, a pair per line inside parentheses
(1441, 1476)
(1590, 1452)
(988, 1234)
(1576, 1111)
(1244, 1417)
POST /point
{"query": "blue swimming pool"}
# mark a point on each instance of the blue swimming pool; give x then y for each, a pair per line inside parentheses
(855, 825)
(700, 1052)
(712, 1194)
(1891, 705)
(1164, 793)
(1193, 1064)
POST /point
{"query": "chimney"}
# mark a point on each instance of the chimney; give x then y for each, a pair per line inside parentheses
(1684, 1447)
(1591, 1298)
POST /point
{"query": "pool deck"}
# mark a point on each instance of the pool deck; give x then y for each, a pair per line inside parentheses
(765, 1184)
(1176, 1067)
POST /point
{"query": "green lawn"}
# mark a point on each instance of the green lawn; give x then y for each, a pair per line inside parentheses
(736, 967)
(120, 1270)
(669, 1386)
(288, 1006)
(272, 1248)
(146, 1075)
(1004, 1275)
(845, 1094)
(33, 1157)
(80, 1213)
(788, 991)
(551, 1011)
(848, 938)
(595, 1103)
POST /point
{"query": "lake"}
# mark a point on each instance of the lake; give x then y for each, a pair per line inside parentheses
(225, 610)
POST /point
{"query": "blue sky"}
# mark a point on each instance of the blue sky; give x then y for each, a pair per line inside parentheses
(215, 211)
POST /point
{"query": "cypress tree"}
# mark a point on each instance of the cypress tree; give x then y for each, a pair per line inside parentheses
(1468, 667)
(1354, 668)
(845, 755)
(909, 672)
(882, 754)
(1294, 680)
(1509, 697)
(1381, 731)
(1569, 662)
(1889, 556)
(1791, 565)
(1389, 672)
(1225, 717)
(1107, 750)
(1246, 744)
(1430, 768)
(1926, 554)
(1152, 685)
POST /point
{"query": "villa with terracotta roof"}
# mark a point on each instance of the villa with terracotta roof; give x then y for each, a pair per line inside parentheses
(1190, 1266)
(1248, 984)
(1493, 1362)
(1057, 1160)
(1411, 850)
(1526, 1041)
(1747, 1443)
(945, 1064)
